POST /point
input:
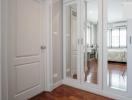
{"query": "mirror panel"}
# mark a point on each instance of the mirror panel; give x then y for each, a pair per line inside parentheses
(116, 45)
(91, 41)
(71, 41)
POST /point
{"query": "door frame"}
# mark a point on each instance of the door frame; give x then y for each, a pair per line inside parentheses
(48, 72)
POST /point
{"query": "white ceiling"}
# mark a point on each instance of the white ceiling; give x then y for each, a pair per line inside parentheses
(115, 10)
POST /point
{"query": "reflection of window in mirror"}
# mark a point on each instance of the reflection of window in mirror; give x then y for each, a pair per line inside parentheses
(116, 36)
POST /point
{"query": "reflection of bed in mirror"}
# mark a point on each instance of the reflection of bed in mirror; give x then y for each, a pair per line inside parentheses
(117, 55)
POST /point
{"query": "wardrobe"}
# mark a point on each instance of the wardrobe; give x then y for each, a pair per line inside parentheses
(97, 46)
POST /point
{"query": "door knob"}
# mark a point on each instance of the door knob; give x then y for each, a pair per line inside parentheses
(43, 47)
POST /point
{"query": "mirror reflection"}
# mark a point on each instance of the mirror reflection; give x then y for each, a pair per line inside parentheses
(91, 41)
(116, 45)
(71, 41)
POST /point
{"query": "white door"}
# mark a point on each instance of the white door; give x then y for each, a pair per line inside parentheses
(24, 52)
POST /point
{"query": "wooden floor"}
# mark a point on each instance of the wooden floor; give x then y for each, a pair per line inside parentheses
(117, 74)
(68, 93)
(92, 72)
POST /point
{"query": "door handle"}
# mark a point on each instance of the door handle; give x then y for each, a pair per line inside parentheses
(130, 40)
(43, 47)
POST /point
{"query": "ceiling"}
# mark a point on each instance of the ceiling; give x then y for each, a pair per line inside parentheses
(115, 10)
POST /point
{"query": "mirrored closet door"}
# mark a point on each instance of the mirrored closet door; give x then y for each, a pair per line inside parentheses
(70, 40)
(91, 47)
(117, 46)
(97, 46)
(82, 41)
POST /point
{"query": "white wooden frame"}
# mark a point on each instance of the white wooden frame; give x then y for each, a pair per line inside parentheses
(48, 72)
(65, 4)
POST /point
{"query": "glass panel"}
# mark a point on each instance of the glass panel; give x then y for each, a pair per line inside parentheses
(71, 41)
(91, 42)
(116, 43)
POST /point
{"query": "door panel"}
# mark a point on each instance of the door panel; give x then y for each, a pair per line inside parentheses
(25, 53)
(26, 78)
(28, 28)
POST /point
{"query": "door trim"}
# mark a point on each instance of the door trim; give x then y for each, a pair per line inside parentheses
(48, 69)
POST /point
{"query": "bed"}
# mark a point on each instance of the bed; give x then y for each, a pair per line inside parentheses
(117, 55)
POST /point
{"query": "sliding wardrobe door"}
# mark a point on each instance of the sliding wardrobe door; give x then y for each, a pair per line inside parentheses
(117, 47)
(91, 49)
(70, 40)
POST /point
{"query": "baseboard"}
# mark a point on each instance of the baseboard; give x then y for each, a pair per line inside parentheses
(57, 84)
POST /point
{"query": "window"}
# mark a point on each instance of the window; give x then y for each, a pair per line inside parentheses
(116, 38)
